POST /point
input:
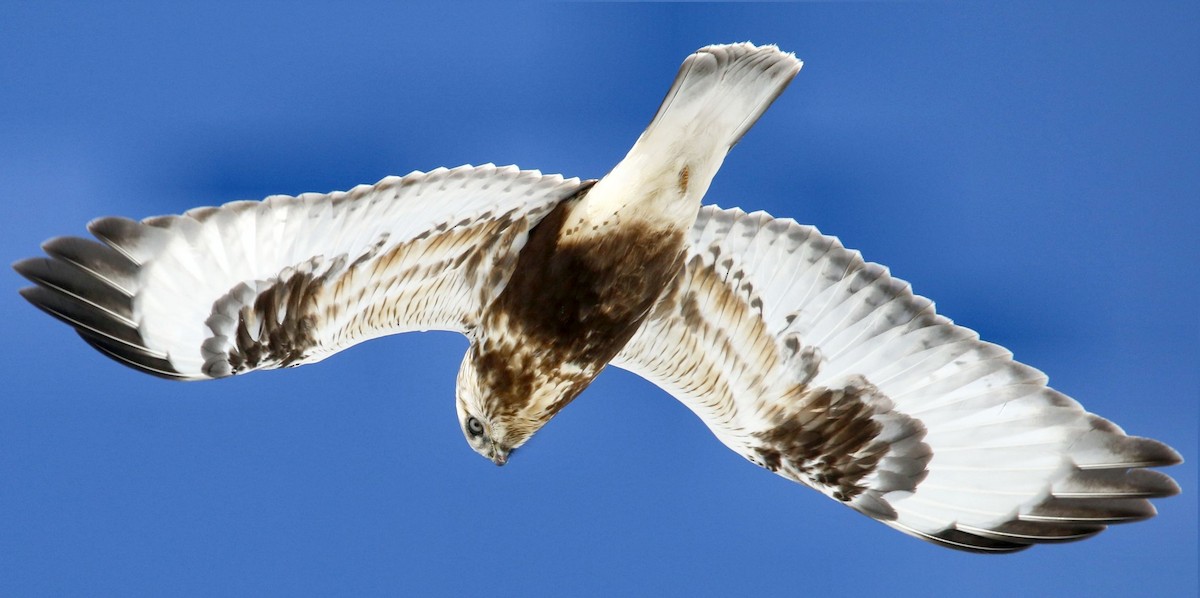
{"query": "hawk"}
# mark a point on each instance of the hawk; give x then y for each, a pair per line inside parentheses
(797, 354)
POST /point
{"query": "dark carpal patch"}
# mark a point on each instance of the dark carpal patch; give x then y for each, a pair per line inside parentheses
(278, 327)
(270, 323)
(575, 301)
(284, 337)
(835, 438)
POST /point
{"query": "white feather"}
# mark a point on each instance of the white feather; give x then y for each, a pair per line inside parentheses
(1000, 438)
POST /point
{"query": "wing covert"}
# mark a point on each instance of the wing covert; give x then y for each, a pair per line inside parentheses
(823, 368)
(290, 280)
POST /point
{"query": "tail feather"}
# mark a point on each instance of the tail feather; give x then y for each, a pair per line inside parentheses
(727, 87)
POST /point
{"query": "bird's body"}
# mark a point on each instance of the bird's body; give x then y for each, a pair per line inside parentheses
(573, 302)
(593, 268)
(796, 353)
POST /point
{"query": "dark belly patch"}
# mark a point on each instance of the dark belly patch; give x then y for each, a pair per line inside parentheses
(578, 301)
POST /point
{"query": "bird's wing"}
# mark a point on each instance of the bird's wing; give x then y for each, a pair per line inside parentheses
(823, 368)
(291, 280)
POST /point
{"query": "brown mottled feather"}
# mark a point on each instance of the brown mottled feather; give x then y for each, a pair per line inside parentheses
(819, 366)
(570, 305)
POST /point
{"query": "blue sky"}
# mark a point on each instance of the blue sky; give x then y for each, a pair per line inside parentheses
(1034, 169)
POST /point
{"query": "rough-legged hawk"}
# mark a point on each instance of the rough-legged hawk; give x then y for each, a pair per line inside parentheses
(799, 355)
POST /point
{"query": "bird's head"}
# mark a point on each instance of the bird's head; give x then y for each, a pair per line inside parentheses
(505, 396)
(489, 435)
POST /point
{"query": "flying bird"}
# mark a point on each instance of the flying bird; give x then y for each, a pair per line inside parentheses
(797, 354)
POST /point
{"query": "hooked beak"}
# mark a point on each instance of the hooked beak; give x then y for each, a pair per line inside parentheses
(499, 455)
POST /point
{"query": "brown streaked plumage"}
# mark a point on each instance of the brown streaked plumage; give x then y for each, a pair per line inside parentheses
(571, 304)
(796, 353)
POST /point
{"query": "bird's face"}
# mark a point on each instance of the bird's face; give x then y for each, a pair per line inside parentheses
(493, 423)
(487, 435)
(506, 392)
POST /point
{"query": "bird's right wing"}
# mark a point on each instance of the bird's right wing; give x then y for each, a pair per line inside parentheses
(824, 369)
(290, 280)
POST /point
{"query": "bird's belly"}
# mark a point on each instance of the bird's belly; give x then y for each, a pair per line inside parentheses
(580, 299)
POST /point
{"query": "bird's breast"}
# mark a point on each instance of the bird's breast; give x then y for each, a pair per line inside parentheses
(579, 298)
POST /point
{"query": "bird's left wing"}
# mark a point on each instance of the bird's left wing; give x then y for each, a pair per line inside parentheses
(823, 368)
(290, 280)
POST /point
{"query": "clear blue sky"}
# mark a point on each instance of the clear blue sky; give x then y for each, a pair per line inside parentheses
(1034, 169)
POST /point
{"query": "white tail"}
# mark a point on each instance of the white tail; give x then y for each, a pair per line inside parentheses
(720, 92)
(717, 96)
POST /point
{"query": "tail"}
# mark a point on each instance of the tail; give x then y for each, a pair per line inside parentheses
(717, 96)
(721, 91)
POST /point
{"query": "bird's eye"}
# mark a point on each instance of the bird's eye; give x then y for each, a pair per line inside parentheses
(474, 426)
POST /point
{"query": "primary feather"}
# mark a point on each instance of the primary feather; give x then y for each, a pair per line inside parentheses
(291, 280)
(956, 442)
